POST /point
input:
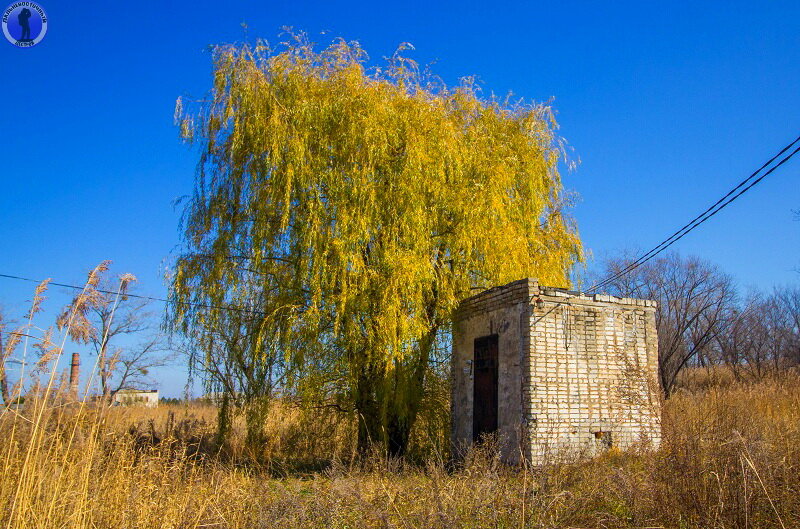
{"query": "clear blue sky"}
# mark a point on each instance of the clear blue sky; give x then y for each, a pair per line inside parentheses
(666, 104)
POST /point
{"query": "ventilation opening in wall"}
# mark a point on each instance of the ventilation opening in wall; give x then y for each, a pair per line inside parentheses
(485, 365)
(604, 439)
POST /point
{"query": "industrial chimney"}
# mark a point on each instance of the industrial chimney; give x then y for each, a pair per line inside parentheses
(74, 375)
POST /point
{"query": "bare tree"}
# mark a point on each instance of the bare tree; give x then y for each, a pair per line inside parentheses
(790, 300)
(242, 381)
(123, 333)
(127, 342)
(762, 339)
(732, 337)
(693, 298)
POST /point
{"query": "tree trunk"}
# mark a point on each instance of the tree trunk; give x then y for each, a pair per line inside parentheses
(401, 423)
(223, 421)
(398, 434)
(389, 425)
(255, 417)
(367, 410)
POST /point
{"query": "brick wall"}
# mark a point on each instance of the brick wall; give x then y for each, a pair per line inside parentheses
(577, 373)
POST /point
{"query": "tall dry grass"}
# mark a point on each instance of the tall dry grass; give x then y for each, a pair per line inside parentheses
(730, 458)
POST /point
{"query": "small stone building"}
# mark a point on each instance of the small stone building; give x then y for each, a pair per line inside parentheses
(556, 374)
(137, 397)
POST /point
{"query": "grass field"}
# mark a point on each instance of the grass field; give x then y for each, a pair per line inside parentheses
(730, 458)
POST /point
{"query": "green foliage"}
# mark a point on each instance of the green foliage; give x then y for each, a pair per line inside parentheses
(347, 211)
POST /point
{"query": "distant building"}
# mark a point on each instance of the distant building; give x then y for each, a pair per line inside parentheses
(137, 397)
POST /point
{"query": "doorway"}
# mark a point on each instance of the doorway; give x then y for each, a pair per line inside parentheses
(484, 413)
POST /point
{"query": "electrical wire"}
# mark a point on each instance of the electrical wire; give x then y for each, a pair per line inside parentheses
(715, 208)
(138, 296)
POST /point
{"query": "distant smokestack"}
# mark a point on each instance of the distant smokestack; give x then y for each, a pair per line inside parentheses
(74, 374)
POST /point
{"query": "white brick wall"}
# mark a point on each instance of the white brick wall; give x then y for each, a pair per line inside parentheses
(577, 373)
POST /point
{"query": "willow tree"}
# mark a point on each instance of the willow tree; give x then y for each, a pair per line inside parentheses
(349, 209)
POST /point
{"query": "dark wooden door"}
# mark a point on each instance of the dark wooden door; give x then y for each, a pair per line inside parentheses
(484, 413)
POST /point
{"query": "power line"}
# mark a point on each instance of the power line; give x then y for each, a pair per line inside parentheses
(715, 208)
(138, 296)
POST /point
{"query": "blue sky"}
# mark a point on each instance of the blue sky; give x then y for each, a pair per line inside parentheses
(666, 104)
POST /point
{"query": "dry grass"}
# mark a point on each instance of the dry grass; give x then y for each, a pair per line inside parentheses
(730, 458)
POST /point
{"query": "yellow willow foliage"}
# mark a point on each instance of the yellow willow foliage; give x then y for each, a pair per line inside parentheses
(353, 208)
